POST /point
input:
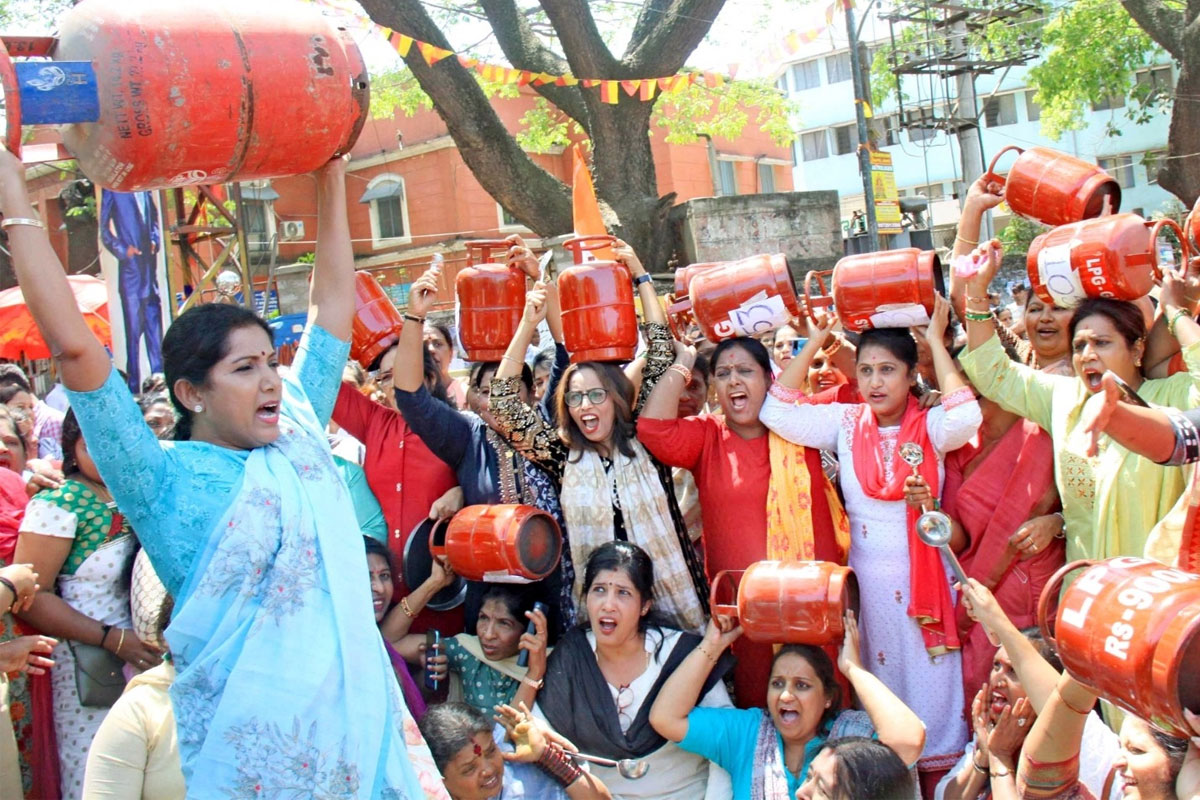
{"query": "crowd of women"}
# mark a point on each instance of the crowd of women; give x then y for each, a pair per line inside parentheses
(213, 590)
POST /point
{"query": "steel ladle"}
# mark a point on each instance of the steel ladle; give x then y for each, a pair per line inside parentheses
(630, 768)
(933, 528)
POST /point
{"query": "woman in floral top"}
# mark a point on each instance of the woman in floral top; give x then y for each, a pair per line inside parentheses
(611, 487)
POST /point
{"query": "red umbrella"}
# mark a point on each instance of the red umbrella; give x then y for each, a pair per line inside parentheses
(19, 333)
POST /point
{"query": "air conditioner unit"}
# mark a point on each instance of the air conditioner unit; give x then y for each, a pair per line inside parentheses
(291, 230)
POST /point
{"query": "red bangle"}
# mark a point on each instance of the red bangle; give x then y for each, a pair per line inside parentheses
(558, 765)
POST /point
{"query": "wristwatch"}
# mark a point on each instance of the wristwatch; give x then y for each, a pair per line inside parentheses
(640, 279)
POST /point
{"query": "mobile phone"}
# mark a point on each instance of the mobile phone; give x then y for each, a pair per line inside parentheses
(433, 648)
(523, 658)
(798, 345)
(1128, 391)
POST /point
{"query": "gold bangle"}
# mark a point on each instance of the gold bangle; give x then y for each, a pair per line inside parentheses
(121, 641)
(979, 769)
(408, 612)
(1003, 774)
(33, 223)
(985, 300)
(834, 346)
(507, 357)
(965, 240)
(531, 683)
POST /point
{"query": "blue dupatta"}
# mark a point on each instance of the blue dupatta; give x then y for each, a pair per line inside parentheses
(264, 635)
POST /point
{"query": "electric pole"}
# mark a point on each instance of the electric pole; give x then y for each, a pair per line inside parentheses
(864, 150)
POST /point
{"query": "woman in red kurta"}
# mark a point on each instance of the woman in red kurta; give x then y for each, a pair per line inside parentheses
(760, 498)
(405, 477)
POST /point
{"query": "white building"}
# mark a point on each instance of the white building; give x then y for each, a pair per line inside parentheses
(928, 162)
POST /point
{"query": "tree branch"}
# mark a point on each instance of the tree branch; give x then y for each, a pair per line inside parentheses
(582, 43)
(505, 171)
(524, 50)
(1164, 24)
(665, 44)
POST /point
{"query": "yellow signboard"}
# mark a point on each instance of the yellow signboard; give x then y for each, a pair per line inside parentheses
(883, 182)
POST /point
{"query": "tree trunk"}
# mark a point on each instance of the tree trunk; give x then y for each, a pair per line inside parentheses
(1181, 176)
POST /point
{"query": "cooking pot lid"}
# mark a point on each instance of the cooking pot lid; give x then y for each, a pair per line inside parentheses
(418, 565)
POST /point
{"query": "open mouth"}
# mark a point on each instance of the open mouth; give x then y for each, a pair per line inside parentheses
(489, 782)
(1092, 378)
(826, 382)
(877, 398)
(1047, 331)
(590, 424)
(789, 716)
(268, 413)
(738, 401)
(5, 461)
(999, 701)
(606, 625)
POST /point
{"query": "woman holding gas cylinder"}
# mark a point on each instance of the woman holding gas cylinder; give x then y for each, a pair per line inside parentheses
(909, 631)
(1113, 500)
(611, 487)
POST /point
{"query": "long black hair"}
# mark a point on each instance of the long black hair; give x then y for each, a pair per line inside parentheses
(195, 343)
(71, 435)
(632, 560)
(821, 664)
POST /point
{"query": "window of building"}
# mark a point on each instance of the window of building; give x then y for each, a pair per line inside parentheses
(1158, 78)
(1153, 162)
(845, 139)
(507, 220)
(1120, 167)
(258, 205)
(1109, 103)
(806, 75)
(838, 67)
(781, 84)
(814, 145)
(934, 191)
(999, 110)
(766, 178)
(389, 210)
(885, 131)
(726, 178)
(1033, 111)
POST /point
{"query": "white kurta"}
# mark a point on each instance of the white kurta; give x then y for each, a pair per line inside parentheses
(892, 646)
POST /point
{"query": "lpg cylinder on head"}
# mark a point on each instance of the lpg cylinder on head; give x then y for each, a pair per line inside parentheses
(491, 299)
(598, 316)
(887, 289)
(190, 93)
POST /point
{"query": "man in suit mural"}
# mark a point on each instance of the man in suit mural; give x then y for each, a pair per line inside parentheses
(130, 231)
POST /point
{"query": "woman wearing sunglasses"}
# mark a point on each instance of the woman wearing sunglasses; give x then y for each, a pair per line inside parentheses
(611, 487)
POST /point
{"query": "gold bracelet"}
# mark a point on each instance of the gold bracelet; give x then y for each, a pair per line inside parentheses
(33, 223)
(965, 240)
(985, 300)
(408, 612)
(507, 357)
(834, 346)
(1003, 774)
(979, 769)
(120, 641)
(531, 683)
(683, 371)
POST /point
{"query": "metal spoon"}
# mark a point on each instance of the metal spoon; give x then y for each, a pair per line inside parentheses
(630, 768)
(933, 528)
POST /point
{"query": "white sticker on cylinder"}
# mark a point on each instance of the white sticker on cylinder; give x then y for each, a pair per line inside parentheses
(1056, 274)
(899, 315)
(758, 315)
(502, 576)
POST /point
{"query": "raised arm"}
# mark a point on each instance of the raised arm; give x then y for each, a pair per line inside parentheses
(652, 310)
(795, 374)
(331, 298)
(82, 360)
(948, 377)
(1056, 737)
(663, 402)
(408, 368)
(895, 723)
(983, 196)
(680, 694)
(1148, 432)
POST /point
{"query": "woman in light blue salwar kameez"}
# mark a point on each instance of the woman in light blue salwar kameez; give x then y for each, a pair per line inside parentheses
(283, 686)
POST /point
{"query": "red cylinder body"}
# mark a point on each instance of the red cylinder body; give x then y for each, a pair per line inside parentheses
(1054, 188)
(491, 299)
(377, 323)
(790, 602)
(679, 304)
(598, 316)
(743, 298)
(500, 543)
(888, 289)
(1106, 257)
(201, 94)
(1129, 629)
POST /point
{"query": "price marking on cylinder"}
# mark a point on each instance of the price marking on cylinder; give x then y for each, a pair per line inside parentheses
(1127, 615)
(758, 315)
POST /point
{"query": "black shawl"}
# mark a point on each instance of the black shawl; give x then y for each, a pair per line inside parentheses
(578, 703)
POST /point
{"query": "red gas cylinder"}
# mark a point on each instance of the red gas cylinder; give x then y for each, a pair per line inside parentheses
(679, 304)
(500, 543)
(491, 299)
(206, 93)
(1191, 226)
(1129, 630)
(377, 323)
(1054, 188)
(888, 289)
(744, 298)
(598, 316)
(789, 602)
(1114, 256)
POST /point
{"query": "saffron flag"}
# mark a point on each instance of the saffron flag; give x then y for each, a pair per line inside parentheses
(584, 206)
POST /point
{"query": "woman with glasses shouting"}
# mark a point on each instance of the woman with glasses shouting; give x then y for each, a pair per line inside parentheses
(611, 487)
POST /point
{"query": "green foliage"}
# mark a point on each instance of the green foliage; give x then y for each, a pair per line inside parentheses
(397, 90)
(544, 128)
(1094, 49)
(306, 258)
(86, 210)
(1018, 234)
(724, 112)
